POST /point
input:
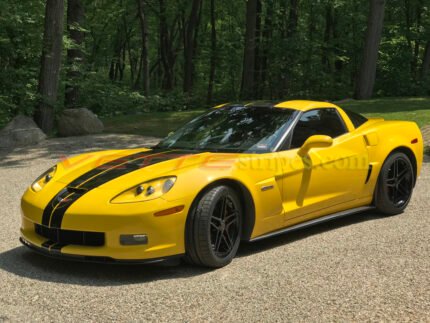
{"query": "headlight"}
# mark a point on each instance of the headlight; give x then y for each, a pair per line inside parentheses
(43, 179)
(147, 191)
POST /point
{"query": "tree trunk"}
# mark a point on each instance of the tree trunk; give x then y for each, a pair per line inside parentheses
(213, 53)
(375, 24)
(293, 18)
(355, 47)
(264, 53)
(285, 76)
(50, 64)
(168, 57)
(145, 53)
(75, 56)
(248, 77)
(426, 61)
(189, 45)
(328, 33)
(258, 51)
(417, 46)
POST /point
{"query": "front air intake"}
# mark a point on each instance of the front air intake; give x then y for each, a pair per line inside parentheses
(69, 237)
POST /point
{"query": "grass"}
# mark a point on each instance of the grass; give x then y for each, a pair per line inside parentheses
(413, 109)
(159, 124)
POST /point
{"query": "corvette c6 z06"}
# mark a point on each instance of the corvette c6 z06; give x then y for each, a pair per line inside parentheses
(240, 172)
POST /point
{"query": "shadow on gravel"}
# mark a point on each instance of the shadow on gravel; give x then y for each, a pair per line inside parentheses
(248, 249)
(57, 148)
(25, 263)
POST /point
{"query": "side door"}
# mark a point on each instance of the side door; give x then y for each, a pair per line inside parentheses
(324, 177)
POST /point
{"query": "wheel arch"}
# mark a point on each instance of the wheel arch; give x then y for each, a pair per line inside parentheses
(411, 155)
(248, 220)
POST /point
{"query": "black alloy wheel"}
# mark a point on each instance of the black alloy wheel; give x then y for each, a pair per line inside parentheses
(224, 226)
(395, 185)
(214, 228)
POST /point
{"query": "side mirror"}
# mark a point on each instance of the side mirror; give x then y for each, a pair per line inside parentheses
(315, 142)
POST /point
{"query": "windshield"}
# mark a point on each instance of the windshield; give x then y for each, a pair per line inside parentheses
(233, 129)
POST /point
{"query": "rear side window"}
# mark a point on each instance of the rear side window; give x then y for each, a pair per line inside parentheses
(357, 119)
(317, 122)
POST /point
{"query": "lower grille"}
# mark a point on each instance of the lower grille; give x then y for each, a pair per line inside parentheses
(66, 237)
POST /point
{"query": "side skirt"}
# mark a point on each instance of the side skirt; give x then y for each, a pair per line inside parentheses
(313, 222)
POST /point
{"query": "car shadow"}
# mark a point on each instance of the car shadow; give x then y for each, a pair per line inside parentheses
(251, 248)
(23, 262)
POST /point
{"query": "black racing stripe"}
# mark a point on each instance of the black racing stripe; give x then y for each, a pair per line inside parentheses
(58, 213)
(114, 163)
(47, 212)
(52, 204)
(107, 172)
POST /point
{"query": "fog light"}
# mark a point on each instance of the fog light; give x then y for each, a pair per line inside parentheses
(133, 239)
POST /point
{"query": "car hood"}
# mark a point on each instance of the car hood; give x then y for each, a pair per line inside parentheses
(116, 170)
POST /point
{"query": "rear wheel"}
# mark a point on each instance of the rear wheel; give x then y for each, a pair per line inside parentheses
(214, 228)
(395, 184)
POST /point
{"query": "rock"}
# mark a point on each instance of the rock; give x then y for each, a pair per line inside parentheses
(78, 122)
(21, 131)
(426, 135)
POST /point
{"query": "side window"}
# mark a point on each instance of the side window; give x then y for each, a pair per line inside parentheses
(317, 122)
(357, 119)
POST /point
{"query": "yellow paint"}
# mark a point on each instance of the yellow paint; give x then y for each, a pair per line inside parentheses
(322, 181)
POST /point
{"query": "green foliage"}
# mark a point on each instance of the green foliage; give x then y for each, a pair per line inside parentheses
(20, 45)
(319, 59)
(111, 99)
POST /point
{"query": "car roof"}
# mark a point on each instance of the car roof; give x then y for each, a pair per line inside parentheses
(299, 105)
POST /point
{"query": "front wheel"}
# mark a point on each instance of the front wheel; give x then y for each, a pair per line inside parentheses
(214, 228)
(395, 184)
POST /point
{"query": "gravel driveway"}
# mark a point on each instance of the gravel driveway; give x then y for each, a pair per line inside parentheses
(361, 268)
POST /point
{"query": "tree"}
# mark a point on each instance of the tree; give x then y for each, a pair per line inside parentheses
(367, 74)
(75, 55)
(145, 51)
(293, 18)
(213, 58)
(249, 58)
(190, 44)
(426, 61)
(50, 64)
(168, 52)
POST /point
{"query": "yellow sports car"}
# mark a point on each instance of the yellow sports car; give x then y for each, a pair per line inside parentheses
(241, 172)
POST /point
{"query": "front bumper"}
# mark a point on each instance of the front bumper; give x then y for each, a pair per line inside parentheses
(165, 233)
(92, 259)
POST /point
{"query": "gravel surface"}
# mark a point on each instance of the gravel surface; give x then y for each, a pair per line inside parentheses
(361, 268)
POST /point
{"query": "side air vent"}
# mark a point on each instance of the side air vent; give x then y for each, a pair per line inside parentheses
(369, 173)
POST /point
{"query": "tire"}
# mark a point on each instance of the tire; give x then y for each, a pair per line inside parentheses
(395, 184)
(212, 237)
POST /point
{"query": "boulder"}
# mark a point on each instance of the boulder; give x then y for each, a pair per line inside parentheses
(21, 131)
(78, 122)
(426, 135)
